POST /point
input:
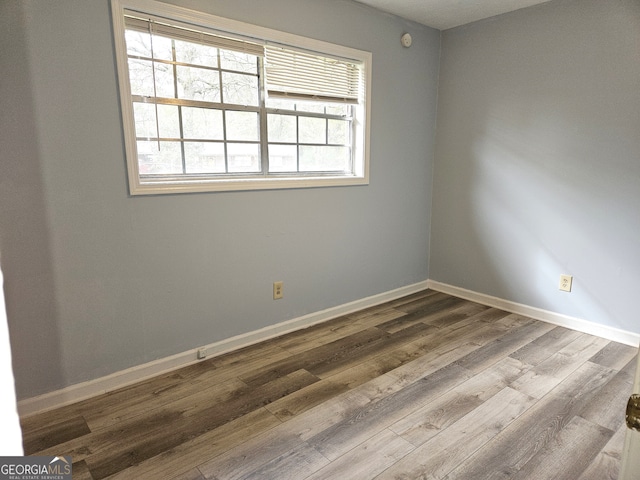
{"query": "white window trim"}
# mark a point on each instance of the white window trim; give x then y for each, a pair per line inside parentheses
(206, 21)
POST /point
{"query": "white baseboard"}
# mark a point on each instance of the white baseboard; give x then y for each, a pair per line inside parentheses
(91, 388)
(585, 326)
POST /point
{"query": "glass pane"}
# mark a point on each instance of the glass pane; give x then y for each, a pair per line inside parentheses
(240, 89)
(138, 43)
(312, 130)
(241, 62)
(283, 158)
(338, 109)
(145, 118)
(202, 123)
(167, 160)
(141, 77)
(275, 102)
(243, 157)
(168, 121)
(204, 157)
(198, 84)
(164, 80)
(324, 158)
(196, 54)
(162, 48)
(339, 131)
(242, 125)
(310, 107)
(281, 128)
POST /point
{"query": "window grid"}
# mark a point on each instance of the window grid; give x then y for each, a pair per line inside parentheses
(191, 109)
(181, 102)
(225, 108)
(326, 117)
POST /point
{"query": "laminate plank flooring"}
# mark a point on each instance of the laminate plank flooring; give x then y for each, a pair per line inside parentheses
(428, 386)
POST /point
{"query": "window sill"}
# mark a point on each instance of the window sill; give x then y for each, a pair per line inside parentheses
(159, 187)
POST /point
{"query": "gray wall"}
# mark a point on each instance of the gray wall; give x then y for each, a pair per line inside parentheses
(538, 159)
(97, 281)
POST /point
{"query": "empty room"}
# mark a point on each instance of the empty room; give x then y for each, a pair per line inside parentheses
(307, 239)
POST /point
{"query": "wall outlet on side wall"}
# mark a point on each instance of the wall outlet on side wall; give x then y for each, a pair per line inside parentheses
(278, 290)
(565, 283)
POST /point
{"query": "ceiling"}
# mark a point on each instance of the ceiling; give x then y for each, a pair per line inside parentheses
(443, 14)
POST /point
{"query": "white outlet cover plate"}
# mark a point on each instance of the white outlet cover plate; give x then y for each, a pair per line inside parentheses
(565, 283)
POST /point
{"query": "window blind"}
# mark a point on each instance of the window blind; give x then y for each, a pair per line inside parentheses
(157, 27)
(301, 75)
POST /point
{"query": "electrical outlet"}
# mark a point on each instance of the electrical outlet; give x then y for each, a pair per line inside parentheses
(202, 353)
(278, 290)
(565, 283)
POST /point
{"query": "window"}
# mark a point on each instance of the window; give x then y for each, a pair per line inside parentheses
(214, 104)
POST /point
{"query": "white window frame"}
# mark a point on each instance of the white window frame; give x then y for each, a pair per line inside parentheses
(145, 186)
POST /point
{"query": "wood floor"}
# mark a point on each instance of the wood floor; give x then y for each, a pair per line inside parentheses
(426, 387)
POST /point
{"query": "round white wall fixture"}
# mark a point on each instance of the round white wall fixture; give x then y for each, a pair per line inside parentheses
(406, 40)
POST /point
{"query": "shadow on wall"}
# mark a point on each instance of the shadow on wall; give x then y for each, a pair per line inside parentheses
(537, 170)
(541, 204)
(24, 232)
